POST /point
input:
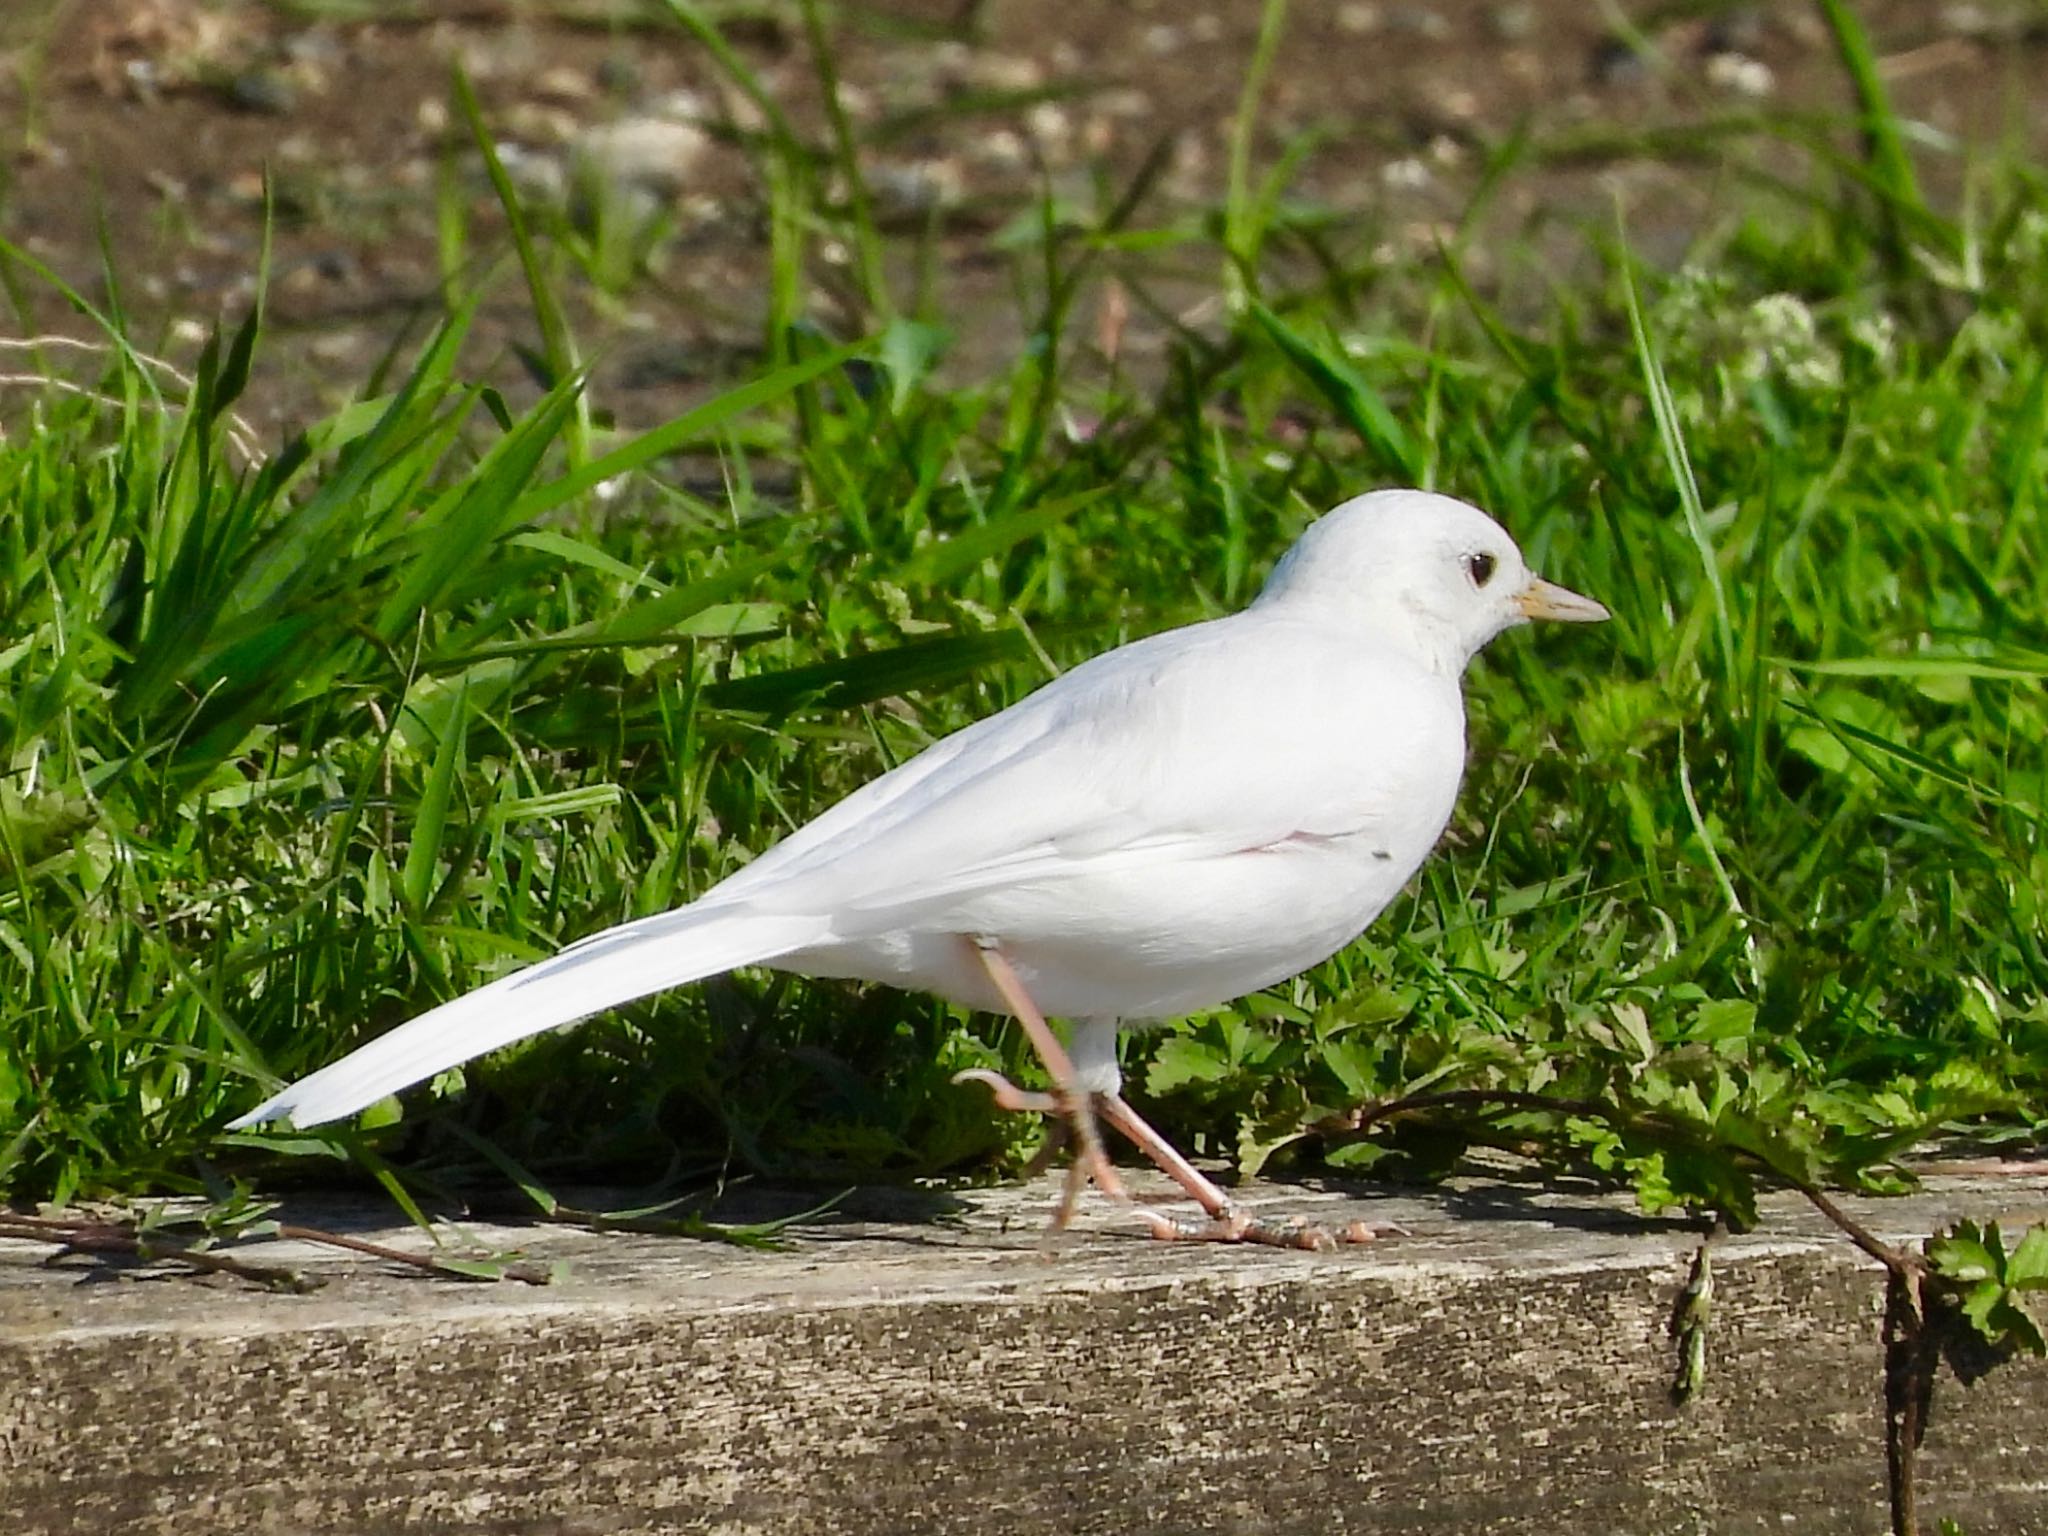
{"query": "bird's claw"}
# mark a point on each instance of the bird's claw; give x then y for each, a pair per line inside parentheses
(1073, 1120)
(1235, 1224)
(1007, 1094)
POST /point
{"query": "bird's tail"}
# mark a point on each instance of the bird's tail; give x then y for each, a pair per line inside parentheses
(602, 971)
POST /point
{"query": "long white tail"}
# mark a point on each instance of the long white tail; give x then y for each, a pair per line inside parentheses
(602, 971)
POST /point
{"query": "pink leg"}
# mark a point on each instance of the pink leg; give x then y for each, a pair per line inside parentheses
(1120, 1115)
(1228, 1221)
(1090, 1161)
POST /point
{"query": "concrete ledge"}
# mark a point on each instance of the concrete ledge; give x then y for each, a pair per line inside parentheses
(1505, 1369)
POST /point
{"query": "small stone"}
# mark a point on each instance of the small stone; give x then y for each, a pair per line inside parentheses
(1459, 104)
(740, 109)
(857, 102)
(336, 346)
(1408, 175)
(565, 85)
(538, 176)
(905, 190)
(324, 269)
(1001, 150)
(261, 90)
(315, 46)
(654, 154)
(1360, 18)
(1741, 75)
(538, 123)
(141, 79)
(1050, 126)
(334, 265)
(1967, 19)
(1614, 63)
(1002, 73)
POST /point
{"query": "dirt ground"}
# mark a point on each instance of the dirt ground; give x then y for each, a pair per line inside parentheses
(152, 123)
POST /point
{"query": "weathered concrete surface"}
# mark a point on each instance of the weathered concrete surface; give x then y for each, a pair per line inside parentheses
(1503, 1369)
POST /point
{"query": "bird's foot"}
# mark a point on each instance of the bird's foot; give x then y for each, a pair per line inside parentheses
(1234, 1224)
(1007, 1094)
(1223, 1221)
(1073, 1122)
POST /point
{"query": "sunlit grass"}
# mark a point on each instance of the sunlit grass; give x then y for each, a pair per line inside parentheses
(298, 746)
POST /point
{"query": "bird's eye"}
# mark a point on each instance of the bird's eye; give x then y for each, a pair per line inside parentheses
(1480, 568)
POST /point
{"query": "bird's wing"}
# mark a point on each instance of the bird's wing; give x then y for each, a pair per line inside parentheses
(1234, 734)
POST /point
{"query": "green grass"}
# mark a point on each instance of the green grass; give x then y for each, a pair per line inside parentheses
(1747, 880)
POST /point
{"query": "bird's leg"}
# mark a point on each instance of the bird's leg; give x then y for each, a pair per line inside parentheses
(1214, 1203)
(1228, 1222)
(1067, 1100)
(1020, 1100)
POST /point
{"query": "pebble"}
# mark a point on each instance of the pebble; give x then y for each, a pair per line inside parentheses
(564, 85)
(1004, 73)
(538, 176)
(1123, 101)
(142, 80)
(857, 102)
(1050, 126)
(1409, 174)
(911, 189)
(1001, 150)
(652, 154)
(538, 123)
(336, 346)
(1968, 19)
(1740, 75)
(315, 46)
(1615, 63)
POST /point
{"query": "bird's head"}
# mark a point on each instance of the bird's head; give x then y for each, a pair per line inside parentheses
(1429, 573)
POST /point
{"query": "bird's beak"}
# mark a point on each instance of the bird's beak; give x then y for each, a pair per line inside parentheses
(1547, 600)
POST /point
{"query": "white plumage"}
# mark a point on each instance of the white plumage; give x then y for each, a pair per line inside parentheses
(1173, 824)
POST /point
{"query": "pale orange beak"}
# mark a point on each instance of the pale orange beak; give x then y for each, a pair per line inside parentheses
(1547, 600)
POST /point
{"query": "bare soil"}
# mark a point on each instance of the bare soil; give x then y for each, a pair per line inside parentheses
(148, 126)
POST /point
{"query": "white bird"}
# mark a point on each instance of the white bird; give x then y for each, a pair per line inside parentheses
(1173, 824)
